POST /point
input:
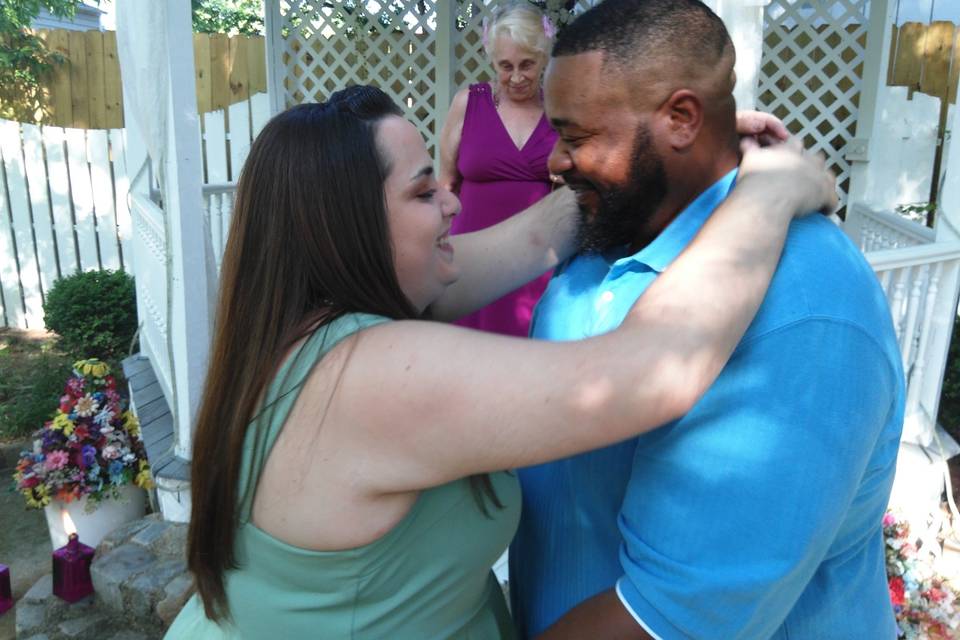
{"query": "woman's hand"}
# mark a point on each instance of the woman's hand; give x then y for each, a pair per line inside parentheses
(762, 127)
(786, 171)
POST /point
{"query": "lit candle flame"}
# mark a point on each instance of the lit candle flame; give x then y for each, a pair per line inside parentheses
(68, 526)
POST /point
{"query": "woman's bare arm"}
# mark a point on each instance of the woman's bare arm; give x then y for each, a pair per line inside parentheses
(420, 404)
(449, 177)
(500, 258)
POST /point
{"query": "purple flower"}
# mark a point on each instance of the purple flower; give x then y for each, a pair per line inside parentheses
(89, 454)
(52, 439)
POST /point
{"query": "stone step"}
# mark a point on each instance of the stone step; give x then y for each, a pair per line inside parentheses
(140, 580)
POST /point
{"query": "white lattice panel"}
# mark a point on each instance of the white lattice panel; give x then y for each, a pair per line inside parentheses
(418, 55)
(334, 44)
(470, 60)
(811, 70)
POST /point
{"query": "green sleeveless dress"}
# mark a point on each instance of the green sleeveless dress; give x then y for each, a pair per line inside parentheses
(428, 577)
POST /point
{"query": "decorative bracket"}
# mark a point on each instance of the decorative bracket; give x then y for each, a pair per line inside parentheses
(858, 150)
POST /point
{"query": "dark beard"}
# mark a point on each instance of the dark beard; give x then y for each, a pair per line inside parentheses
(624, 210)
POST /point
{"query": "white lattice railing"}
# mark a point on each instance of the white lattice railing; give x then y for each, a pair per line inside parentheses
(151, 261)
(878, 230)
(920, 278)
(218, 202)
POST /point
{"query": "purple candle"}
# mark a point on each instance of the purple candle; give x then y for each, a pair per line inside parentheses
(71, 570)
(6, 596)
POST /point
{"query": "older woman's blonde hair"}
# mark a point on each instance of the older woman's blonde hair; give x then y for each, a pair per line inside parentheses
(521, 22)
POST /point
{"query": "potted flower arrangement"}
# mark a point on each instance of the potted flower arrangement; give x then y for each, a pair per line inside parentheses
(926, 605)
(88, 461)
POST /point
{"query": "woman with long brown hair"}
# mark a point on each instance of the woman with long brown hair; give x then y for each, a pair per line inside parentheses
(346, 480)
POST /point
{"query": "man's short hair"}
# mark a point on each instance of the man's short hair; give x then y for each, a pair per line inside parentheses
(631, 31)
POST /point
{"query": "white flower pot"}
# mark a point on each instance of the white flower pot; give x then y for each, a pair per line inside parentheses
(91, 527)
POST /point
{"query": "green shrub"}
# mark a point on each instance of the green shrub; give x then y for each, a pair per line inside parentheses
(94, 313)
(949, 415)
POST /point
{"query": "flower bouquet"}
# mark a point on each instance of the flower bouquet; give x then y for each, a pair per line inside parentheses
(90, 449)
(925, 604)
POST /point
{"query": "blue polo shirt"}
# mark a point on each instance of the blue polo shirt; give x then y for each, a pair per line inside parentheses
(758, 514)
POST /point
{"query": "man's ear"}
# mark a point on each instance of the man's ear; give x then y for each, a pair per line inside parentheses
(681, 117)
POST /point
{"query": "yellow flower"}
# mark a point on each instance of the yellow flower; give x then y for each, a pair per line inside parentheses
(131, 424)
(38, 497)
(62, 422)
(144, 479)
(92, 367)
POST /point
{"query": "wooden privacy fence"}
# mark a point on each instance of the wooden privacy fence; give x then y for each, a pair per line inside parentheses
(85, 91)
(924, 57)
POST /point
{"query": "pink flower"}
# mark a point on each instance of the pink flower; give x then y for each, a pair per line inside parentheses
(889, 520)
(75, 386)
(934, 594)
(56, 460)
(548, 29)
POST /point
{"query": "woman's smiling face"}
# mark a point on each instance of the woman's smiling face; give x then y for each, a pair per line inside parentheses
(419, 214)
(518, 69)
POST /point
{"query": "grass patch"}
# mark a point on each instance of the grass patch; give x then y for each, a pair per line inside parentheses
(32, 375)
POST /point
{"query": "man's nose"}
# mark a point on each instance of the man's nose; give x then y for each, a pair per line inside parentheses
(559, 161)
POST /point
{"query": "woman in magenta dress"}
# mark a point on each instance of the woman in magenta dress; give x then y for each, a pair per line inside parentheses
(494, 148)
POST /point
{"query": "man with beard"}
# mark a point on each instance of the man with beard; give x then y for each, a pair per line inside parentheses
(758, 514)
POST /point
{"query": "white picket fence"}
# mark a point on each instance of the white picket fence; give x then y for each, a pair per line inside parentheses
(62, 209)
(227, 136)
(64, 203)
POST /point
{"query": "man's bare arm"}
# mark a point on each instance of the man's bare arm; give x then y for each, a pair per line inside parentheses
(602, 616)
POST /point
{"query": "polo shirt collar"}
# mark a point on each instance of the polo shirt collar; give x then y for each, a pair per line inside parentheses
(664, 249)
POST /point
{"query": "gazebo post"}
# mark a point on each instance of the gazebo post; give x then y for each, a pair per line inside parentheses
(190, 328)
(276, 70)
(876, 62)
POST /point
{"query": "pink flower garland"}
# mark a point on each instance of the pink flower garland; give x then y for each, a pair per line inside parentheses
(925, 604)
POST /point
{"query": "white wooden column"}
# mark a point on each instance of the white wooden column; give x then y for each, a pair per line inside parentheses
(859, 151)
(191, 315)
(445, 89)
(274, 52)
(744, 21)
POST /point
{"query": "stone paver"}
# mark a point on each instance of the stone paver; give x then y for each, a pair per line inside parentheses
(112, 570)
(85, 627)
(140, 581)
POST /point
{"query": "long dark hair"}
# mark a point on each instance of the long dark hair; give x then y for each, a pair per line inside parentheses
(308, 243)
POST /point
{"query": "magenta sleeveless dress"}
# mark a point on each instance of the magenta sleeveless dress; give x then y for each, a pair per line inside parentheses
(499, 180)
